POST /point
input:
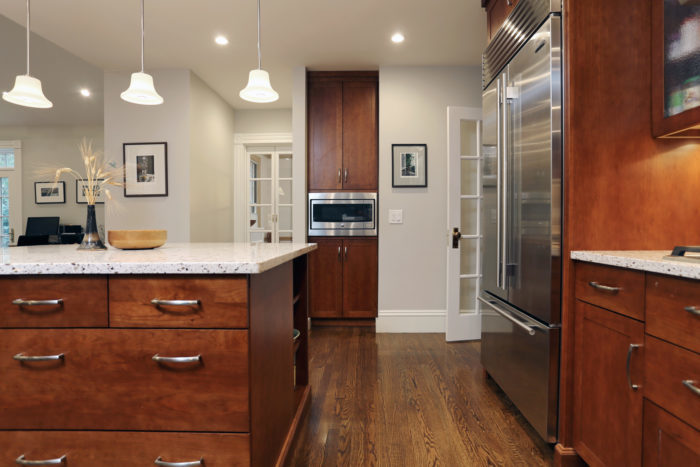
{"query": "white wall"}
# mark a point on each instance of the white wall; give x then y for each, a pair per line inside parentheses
(412, 256)
(264, 121)
(211, 165)
(45, 149)
(299, 152)
(169, 122)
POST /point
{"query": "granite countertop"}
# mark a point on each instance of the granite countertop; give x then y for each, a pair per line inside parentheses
(171, 258)
(651, 261)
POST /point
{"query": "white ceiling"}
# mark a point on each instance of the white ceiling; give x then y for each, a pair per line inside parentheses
(318, 34)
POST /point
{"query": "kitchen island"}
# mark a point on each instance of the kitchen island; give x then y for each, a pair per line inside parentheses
(182, 355)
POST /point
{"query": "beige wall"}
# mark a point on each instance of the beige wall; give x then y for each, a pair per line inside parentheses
(264, 121)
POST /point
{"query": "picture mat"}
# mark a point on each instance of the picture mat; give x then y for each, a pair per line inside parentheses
(145, 168)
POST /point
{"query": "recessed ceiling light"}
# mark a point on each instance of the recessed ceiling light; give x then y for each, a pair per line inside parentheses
(85, 92)
(397, 38)
(221, 40)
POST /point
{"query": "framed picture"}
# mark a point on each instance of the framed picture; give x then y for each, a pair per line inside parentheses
(145, 169)
(49, 192)
(409, 165)
(82, 185)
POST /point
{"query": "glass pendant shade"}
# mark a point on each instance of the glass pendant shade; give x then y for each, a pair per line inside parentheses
(141, 90)
(28, 93)
(259, 88)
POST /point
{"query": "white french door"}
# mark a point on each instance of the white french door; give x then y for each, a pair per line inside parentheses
(269, 194)
(463, 222)
(10, 192)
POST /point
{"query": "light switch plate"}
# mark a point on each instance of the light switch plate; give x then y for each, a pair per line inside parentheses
(395, 216)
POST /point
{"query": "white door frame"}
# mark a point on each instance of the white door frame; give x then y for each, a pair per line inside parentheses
(458, 325)
(15, 189)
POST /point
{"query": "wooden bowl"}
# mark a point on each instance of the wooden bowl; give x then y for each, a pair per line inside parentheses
(136, 239)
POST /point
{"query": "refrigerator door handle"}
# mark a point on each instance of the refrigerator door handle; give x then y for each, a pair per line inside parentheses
(508, 316)
(499, 183)
(504, 182)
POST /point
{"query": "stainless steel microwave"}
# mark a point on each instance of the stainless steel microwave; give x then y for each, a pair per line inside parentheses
(343, 214)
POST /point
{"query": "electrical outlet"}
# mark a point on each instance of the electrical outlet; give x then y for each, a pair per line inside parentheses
(395, 216)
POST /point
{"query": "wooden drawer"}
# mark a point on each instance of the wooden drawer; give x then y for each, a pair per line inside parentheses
(666, 366)
(84, 301)
(668, 442)
(223, 302)
(108, 380)
(120, 449)
(670, 310)
(618, 290)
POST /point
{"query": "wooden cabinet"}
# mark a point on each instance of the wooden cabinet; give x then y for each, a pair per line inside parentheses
(668, 442)
(343, 275)
(342, 131)
(496, 13)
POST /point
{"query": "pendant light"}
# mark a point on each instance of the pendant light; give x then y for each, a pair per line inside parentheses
(259, 89)
(141, 90)
(27, 91)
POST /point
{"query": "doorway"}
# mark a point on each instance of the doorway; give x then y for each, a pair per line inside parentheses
(10, 192)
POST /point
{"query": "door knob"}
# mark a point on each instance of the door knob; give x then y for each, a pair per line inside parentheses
(456, 237)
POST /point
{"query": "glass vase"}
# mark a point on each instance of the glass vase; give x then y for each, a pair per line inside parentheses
(91, 239)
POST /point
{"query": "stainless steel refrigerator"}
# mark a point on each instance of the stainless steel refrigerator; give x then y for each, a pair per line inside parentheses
(522, 189)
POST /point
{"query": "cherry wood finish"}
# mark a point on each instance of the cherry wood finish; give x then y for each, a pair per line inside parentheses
(360, 135)
(666, 314)
(108, 380)
(607, 413)
(84, 301)
(301, 320)
(666, 366)
(325, 134)
(120, 449)
(496, 13)
(360, 278)
(326, 278)
(668, 442)
(223, 302)
(628, 300)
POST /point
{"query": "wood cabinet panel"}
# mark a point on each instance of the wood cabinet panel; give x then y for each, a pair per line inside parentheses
(325, 134)
(666, 366)
(84, 301)
(326, 278)
(668, 316)
(360, 278)
(592, 281)
(223, 302)
(607, 412)
(119, 449)
(360, 135)
(668, 442)
(496, 13)
(108, 380)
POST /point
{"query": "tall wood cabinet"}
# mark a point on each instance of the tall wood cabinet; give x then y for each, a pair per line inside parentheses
(342, 131)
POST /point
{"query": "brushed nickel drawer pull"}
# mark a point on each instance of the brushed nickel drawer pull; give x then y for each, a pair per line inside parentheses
(159, 302)
(693, 310)
(163, 463)
(23, 302)
(195, 359)
(604, 288)
(345, 176)
(38, 358)
(631, 349)
(690, 384)
(339, 179)
(59, 460)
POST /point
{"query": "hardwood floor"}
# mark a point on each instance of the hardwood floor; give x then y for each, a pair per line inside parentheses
(407, 400)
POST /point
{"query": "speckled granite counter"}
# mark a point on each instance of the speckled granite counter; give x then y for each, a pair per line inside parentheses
(651, 261)
(172, 258)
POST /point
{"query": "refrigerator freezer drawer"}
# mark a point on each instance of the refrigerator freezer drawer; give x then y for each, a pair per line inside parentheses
(524, 363)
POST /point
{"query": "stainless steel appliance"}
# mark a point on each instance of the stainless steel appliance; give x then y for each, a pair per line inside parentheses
(343, 214)
(521, 264)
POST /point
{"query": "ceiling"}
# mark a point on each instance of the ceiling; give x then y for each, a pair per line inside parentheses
(318, 34)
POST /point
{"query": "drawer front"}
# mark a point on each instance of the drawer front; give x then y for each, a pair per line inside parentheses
(222, 302)
(618, 290)
(108, 380)
(666, 366)
(120, 449)
(673, 310)
(83, 301)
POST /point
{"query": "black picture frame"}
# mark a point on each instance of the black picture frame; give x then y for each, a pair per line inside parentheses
(78, 186)
(409, 165)
(152, 169)
(40, 187)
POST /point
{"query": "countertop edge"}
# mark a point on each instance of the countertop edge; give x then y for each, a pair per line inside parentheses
(634, 260)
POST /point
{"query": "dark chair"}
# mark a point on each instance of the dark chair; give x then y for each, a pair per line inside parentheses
(28, 240)
(42, 226)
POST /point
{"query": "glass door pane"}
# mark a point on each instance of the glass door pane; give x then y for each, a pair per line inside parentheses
(4, 211)
(260, 197)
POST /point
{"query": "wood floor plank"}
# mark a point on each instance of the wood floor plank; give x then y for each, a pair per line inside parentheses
(407, 400)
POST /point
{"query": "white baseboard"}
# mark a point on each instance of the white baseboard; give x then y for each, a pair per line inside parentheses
(398, 321)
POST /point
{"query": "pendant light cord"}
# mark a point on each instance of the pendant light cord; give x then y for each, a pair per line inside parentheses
(28, 19)
(259, 60)
(142, 34)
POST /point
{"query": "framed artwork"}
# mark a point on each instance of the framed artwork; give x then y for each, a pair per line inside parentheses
(409, 165)
(145, 169)
(82, 185)
(49, 192)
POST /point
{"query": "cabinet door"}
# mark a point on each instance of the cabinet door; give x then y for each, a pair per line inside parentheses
(325, 119)
(360, 135)
(325, 278)
(668, 442)
(360, 278)
(607, 412)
